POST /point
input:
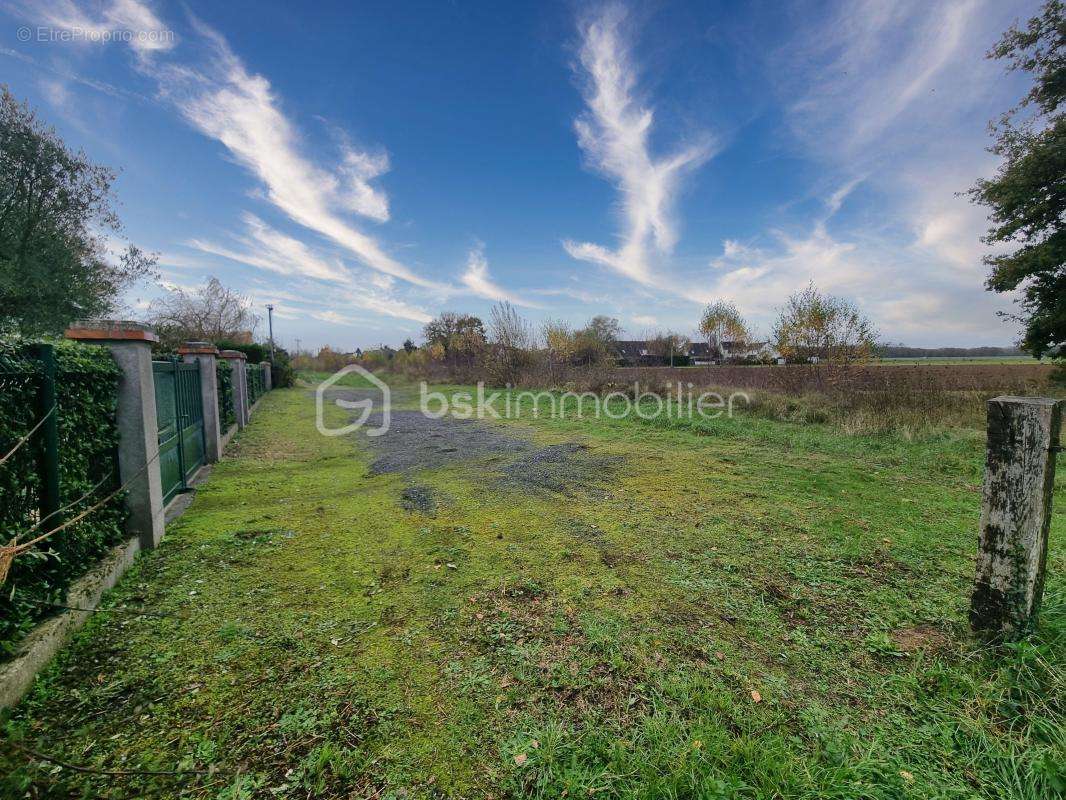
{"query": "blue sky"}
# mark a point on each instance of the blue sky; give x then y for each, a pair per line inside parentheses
(367, 165)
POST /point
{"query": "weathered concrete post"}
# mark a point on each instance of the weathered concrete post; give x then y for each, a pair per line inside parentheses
(138, 447)
(267, 377)
(203, 354)
(1023, 440)
(239, 380)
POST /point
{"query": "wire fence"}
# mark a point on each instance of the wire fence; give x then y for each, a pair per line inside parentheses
(58, 442)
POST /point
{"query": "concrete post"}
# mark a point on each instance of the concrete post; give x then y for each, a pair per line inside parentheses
(239, 380)
(267, 376)
(1023, 439)
(138, 448)
(203, 354)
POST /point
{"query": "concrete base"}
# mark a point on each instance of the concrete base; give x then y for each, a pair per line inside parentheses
(44, 641)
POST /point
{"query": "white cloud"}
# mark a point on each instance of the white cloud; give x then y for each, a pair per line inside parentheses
(477, 280)
(128, 21)
(645, 319)
(223, 100)
(614, 135)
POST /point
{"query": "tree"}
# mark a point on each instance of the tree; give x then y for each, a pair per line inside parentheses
(211, 313)
(512, 343)
(409, 346)
(816, 324)
(668, 346)
(597, 342)
(1027, 196)
(455, 334)
(56, 211)
(604, 329)
(721, 322)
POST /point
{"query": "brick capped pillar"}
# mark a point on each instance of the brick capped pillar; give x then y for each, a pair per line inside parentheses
(138, 447)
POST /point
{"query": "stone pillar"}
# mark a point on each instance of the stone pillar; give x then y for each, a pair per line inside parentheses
(203, 354)
(267, 376)
(239, 379)
(1023, 440)
(138, 447)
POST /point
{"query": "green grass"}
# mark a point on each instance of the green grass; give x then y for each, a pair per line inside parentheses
(299, 635)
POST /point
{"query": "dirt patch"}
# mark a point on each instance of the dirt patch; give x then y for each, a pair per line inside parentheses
(921, 637)
(419, 498)
(559, 468)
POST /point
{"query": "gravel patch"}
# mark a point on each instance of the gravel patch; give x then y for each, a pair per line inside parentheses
(560, 469)
(416, 442)
(419, 498)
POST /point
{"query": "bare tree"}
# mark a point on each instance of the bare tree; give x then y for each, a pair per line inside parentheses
(210, 313)
(668, 346)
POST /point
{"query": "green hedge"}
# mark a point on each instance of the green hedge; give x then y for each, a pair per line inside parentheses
(226, 415)
(87, 395)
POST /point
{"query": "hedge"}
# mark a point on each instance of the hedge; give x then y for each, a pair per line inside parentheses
(224, 374)
(86, 399)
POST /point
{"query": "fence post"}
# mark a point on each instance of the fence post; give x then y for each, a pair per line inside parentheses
(1023, 440)
(138, 448)
(267, 381)
(203, 354)
(48, 441)
(239, 381)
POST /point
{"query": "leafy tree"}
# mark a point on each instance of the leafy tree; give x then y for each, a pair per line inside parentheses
(56, 209)
(211, 313)
(596, 343)
(409, 346)
(604, 329)
(722, 322)
(455, 334)
(816, 324)
(1027, 196)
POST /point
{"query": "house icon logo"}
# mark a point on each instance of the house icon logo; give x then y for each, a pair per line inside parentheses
(366, 405)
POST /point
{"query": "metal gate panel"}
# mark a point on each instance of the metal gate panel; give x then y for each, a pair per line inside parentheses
(179, 413)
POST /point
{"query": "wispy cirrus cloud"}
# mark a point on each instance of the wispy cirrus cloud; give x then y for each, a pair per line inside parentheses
(614, 135)
(476, 278)
(266, 248)
(217, 94)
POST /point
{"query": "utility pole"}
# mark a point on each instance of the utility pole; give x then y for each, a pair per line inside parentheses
(270, 324)
(297, 347)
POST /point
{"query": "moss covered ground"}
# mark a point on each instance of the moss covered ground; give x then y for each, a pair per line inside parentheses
(741, 608)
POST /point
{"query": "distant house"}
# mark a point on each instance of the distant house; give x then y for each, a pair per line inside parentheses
(732, 352)
(636, 353)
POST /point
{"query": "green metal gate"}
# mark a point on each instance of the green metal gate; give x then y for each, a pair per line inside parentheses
(180, 415)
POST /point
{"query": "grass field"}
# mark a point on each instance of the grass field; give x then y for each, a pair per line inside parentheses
(739, 608)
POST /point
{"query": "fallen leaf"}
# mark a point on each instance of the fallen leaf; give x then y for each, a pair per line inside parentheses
(520, 759)
(907, 776)
(719, 655)
(534, 744)
(756, 696)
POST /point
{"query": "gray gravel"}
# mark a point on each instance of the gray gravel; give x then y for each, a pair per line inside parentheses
(416, 442)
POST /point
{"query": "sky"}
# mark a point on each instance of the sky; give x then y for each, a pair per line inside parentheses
(365, 166)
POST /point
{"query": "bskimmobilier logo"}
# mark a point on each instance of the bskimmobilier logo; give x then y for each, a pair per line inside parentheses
(366, 405)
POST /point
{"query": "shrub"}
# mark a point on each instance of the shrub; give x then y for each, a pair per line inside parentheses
(86, 392)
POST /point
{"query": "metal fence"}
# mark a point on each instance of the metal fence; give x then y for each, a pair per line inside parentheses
(58, 440)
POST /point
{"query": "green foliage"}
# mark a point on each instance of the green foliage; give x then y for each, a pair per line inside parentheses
(86, 391)
(1027, 196)
(256, 386)
(224, 379)
(56, 209)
